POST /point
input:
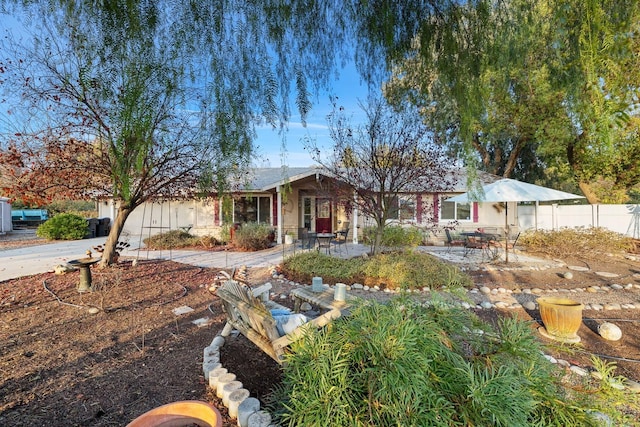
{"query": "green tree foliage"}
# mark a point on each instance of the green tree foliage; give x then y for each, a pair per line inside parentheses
(546, 83)
(140, 100)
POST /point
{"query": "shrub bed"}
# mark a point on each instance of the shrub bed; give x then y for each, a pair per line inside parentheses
(398, 270)
(253, 236)
(178, 239)
(569, 242)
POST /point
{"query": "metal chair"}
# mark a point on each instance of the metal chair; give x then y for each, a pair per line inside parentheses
(451, 242)
(307, 238)
(341, 237)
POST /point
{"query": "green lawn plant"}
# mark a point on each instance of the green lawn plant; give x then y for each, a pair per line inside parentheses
(410, 364)
(64, 227)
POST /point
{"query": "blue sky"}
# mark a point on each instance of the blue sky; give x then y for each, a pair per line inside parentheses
(348, 87)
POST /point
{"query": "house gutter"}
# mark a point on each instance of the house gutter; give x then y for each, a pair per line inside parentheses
(280, 215)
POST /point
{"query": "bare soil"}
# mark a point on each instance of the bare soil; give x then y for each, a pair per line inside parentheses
(62, 365)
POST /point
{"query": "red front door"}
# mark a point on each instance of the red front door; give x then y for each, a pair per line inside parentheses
(323, 216)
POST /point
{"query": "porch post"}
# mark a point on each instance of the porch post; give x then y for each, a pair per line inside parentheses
(355, 220)
(112, 209)
(279, 224)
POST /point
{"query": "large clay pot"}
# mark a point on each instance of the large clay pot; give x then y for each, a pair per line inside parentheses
(179, 414)
(561, 317)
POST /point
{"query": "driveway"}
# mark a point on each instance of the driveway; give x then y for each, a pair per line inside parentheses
(44, 258)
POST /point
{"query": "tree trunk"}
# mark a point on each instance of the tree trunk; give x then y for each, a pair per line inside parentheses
(377, 241)
(108, 255)
(592, 198)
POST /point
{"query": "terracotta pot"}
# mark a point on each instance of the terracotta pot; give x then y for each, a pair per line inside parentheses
(562, 318)
(178, 414)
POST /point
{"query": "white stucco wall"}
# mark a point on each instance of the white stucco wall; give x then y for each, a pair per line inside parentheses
(5, 216)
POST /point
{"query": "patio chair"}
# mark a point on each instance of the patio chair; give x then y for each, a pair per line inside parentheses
(307, 238)
(451, 242)
(341, 237)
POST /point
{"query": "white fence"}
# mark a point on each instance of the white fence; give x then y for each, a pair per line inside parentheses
(624, 219)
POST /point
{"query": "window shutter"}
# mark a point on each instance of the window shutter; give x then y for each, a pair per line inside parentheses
(475, 211)
(436, 208)
(419, 208)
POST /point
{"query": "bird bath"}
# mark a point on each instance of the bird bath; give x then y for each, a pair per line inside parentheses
(84, 265)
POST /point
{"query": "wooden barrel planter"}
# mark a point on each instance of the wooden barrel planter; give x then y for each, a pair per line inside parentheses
(177, 414)
(561, 317)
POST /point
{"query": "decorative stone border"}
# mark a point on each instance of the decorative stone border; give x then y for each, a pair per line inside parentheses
(242, 407)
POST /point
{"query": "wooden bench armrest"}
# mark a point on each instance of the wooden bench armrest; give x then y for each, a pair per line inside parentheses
(262, 291)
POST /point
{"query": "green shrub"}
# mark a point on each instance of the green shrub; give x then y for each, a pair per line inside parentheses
(225, 233)
(172, 239)
(404, 364)
(63, 227)
(253, 236)
(405, 270)
(395, 236)
(414, 270)
(567, 242)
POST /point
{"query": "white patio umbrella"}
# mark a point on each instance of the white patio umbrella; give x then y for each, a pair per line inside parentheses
(510, 190)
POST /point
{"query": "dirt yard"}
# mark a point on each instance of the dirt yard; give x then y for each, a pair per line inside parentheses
(103, 358)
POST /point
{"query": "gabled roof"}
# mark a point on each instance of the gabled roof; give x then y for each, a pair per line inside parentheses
(267, 179)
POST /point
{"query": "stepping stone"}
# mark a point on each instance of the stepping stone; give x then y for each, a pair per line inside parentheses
(182, 310)
(203, 321)
(606, 274)
(577, 268)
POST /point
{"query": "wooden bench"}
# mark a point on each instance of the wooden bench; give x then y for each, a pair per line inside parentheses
(249, 311)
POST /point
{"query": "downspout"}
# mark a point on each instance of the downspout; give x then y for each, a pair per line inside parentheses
(280, 215)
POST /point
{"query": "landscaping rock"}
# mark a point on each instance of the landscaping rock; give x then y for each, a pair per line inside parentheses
(609, 331)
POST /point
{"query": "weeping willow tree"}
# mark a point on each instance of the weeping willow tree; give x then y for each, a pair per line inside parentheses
(134, 100)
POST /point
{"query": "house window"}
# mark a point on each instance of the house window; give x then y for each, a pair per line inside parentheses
(252, 209)
(453, 211)
(404, 208)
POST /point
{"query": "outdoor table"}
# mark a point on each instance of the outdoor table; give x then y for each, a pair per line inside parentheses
(482, 241)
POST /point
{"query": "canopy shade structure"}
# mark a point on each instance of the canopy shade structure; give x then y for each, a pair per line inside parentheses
(510, 190)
